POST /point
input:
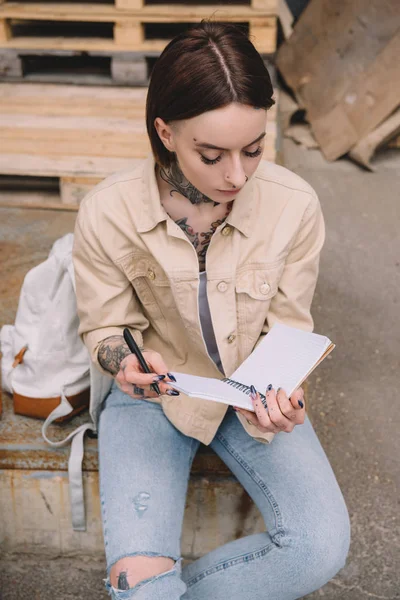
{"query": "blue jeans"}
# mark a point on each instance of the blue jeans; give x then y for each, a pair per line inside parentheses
(145, 463)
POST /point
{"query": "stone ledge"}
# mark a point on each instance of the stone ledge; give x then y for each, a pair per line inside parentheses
(36, 517)
(22, 446)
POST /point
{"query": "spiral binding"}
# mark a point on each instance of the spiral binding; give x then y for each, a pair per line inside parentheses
(240, 386)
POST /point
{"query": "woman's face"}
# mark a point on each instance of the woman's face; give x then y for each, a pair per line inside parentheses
(235, 129)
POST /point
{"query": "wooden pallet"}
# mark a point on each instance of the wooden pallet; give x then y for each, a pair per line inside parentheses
(83, 68)
(94, 27)
(78, 134)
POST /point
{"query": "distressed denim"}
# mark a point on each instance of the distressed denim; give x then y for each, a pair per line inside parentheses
(145, 463)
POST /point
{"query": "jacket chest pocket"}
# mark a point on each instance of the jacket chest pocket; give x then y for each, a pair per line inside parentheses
(255, 287)
(151, 285)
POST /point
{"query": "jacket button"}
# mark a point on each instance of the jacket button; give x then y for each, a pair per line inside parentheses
(264, 288)
(222, 286)
(226, 230)
(151, 274)
(231, 338)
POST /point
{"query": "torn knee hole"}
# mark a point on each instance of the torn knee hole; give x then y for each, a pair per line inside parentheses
(131, 570)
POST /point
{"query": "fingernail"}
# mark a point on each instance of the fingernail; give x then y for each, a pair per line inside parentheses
(278, 389)
(172, 393)
(269, 388)
(253, 392)
(171, 376)
(301, 404)
(234, 408)
(158, 378)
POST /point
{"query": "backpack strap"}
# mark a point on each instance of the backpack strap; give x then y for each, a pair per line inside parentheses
(75, 460)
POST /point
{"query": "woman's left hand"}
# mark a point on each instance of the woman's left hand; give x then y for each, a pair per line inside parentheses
(278, 412)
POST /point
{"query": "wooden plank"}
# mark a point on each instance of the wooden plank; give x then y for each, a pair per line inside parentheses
(129, 31)
(55, 166)
(364, 150)
(106, 12)
(341, 62)
(5, 31)
(72, 101)
(268, 7)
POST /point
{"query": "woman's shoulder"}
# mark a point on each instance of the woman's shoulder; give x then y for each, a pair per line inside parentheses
(114, 188)
(268, 173)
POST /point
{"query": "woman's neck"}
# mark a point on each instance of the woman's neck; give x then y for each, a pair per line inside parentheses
(175, 180)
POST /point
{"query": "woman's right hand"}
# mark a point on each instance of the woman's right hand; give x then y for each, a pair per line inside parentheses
(132, 381)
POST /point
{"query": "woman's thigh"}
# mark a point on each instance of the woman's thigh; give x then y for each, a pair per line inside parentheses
(292, 483)
(144, 468)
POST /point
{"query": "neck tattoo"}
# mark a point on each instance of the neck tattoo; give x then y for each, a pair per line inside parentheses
(174, 177)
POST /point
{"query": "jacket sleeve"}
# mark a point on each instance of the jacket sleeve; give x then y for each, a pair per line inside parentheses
(106, 301)
(292, 303)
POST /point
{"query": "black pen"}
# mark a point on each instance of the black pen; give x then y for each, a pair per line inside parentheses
(134, 348)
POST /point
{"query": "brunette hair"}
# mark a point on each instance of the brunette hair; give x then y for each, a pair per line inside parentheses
(206, 67)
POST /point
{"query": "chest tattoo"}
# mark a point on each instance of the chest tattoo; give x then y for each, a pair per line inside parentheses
(201, 239)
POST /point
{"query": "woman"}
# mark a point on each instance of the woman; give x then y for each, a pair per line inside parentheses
(199, 274)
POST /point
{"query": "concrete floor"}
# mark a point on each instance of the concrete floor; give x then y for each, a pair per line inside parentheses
(354, 392)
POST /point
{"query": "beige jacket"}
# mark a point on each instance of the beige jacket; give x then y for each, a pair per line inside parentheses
(136, 268)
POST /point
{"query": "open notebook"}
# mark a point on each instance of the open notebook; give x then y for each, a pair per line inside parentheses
(285, 358)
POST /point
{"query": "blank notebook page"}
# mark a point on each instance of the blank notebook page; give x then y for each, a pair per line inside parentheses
(284, 358)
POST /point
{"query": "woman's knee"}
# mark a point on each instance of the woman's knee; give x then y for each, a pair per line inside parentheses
(131, 570)
(323, 543)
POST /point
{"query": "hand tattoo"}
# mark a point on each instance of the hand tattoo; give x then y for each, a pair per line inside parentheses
(138, 390)
(112, 352)
(180, 184)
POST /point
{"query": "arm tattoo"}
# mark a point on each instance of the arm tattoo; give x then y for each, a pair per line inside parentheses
(123, 581)
(111, 353)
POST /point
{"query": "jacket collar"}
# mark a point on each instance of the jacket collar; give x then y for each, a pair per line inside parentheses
(241, 217)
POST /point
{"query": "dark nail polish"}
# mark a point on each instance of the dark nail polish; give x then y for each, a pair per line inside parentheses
(253, 392)
(269, 388)
(171, 377)
(301, 404)
(158, 378)
(172, 393)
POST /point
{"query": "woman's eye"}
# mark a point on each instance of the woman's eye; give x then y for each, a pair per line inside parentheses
(208, 161)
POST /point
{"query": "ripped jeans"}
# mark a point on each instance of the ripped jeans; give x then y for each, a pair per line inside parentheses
(144, 465)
